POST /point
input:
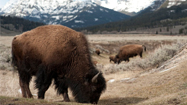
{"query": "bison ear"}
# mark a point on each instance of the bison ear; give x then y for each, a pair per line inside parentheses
(87, 79)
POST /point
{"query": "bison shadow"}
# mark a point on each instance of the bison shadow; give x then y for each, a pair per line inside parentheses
(121, 101)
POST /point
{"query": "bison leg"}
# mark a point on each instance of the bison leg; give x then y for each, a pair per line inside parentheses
(141, 54)
(62, 88)
(126, 60)
(118, 61)
(25, 88)
(29, 94)
(43, 81)
(66, 97)
(24, 84)
(42, 90)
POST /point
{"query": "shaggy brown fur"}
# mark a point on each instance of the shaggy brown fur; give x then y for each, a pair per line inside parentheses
(59, 53)
(128, 51)
(97, 51)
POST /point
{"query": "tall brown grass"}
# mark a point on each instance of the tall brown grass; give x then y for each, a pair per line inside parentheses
(5, 57)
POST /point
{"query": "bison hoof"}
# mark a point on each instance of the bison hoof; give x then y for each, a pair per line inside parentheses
(67, 100)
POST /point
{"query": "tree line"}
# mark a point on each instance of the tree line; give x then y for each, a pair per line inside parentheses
(19, 24)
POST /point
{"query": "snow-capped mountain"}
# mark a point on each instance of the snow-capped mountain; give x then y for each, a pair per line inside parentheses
(136, 5)
(80, 13)
(170, 3)
(156, 4)
(125, 5)
(166, 4)
(62, 12)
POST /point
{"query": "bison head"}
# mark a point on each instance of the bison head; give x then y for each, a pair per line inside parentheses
(117, 59)
(91, 89)
(114, 59)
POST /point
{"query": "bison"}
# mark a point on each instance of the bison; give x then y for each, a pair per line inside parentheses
(113, 58)
(97, 51)
(56, 52)
(128, 51)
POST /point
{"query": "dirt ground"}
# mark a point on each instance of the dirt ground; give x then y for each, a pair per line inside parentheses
(165, 85)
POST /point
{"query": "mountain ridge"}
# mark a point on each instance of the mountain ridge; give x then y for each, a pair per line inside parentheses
(61, 12)
(147, 20)
(77, 13)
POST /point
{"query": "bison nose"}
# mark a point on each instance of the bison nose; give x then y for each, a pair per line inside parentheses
(94, 103)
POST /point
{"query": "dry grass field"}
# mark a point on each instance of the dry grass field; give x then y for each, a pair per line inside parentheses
(159, 78)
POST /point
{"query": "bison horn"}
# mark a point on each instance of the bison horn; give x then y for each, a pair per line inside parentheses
(94, 79)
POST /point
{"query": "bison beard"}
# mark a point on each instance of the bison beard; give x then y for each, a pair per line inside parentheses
(60, 53)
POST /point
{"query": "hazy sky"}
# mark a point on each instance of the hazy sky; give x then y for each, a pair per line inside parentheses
(3, 2)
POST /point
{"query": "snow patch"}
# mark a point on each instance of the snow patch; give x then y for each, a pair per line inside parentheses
(35, 16)
(101, 9)
(168, 69)
(125, 79)
(174, 2)
(79, 21)
(56, 17)
(20, 91)
(89, 11)
(112, 80)
(124, 5)
(96, 19)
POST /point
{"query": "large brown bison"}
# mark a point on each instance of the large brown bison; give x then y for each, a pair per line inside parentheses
(60, 53)
(128, 51)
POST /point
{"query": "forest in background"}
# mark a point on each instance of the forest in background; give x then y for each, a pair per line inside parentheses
(18, 24)
(164, 17)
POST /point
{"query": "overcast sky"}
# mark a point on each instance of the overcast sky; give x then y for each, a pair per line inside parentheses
(3, 2)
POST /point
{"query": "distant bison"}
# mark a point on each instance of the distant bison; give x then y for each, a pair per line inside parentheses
(113, 58)
(59, 53)
(97, 51)
(128, 51)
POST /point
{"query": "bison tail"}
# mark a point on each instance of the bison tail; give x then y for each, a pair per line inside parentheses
(14, 62)
(144, 47)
